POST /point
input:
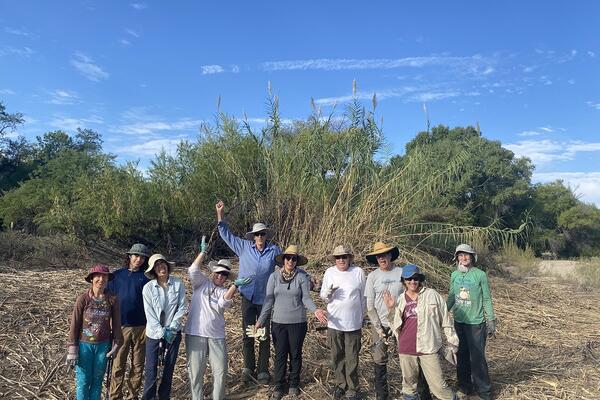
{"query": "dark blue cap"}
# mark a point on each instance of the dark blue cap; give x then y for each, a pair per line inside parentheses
(410, 270)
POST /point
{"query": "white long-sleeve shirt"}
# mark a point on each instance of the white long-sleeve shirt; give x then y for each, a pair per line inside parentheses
(346, 307)
(206, 317)
(170, 300)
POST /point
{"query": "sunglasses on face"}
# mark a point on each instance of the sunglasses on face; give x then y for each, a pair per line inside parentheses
(263, 233)
(343, 257)
(290, 258)
(223, 273)
(413, 278)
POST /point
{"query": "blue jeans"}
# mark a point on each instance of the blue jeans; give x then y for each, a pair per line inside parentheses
(89, 371)
(151, 368)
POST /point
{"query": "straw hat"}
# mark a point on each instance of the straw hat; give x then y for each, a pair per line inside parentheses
(152, 260)
(222, 266)
(99, 269)
(465, 248)
(382, 248)
(291, 250)
(341, 250)
(259, 227)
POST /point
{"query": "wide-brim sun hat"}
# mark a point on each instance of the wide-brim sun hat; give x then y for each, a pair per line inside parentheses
(464, 248)
(341, 250)
(382, 248)
(259, 227)
(410, 270)
(98, 269)
(152, 260)
(139, 249)
(291, 250)
(222, 266)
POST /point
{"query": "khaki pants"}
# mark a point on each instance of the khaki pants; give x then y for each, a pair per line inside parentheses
(430, 364)
(134, 343)
(345, 347)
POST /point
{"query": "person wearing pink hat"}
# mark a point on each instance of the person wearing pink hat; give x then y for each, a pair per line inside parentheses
(95, 321)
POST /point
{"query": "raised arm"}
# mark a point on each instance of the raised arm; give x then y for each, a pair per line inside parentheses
(236, 244)
(197, 278)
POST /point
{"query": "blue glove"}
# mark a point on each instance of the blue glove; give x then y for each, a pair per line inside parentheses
(170, 335)
(203, 244)
(242, 281)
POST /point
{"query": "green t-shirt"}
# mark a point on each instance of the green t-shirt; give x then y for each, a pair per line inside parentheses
(469, 298)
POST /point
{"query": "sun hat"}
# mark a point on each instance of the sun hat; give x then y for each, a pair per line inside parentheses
(411, 270)
(341, 250)
(99, 269)
(258, 227)
(222, 266)
(152, 260)
(291, 250)
(382, 248)
(139, 249)
(464, 248)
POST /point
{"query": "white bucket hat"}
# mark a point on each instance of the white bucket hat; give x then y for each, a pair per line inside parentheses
(222, 266)
(259, 227)
(465, 248)
(152, 260)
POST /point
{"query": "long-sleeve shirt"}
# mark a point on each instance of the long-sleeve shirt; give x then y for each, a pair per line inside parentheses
(170, 300)
(378, 282)
(258, 265)
(347, 304)
(469, 297)
(128, 287)
(95, 320)
(206, 316)
(432, 318)
(288, 300)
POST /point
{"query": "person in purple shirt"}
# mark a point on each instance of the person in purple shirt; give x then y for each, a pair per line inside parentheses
(257, 261)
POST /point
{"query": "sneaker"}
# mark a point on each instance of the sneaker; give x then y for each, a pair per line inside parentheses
(263, 378)
(338, 393)
(276, 395)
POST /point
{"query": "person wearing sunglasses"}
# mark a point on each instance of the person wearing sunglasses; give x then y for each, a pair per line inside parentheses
(343, 289)
(288, 298)
(257, 260)
(420, 316)
(205, 327)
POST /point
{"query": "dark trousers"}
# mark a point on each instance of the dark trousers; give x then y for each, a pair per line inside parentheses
(471, 361)
(151, 367)
(345, 347)
(287, 341)
(250, 313)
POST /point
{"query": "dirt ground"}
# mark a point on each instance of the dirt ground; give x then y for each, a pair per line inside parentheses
(547, 346)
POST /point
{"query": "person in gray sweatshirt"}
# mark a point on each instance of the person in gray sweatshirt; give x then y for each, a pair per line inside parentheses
(288, 298)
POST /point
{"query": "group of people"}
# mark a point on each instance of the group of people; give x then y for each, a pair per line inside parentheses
(138, 312)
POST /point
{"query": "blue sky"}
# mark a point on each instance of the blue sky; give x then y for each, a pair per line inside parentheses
(147, 74)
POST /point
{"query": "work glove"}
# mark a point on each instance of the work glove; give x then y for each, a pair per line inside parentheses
(242, 281)
(330, 291)
(491, 327)
(72, 356)
(170, 334)
(260, 333)
(202, 246)
(113, 351)
(450, 351)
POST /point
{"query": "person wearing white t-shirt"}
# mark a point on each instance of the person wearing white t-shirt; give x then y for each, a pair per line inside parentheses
(205, 328)
(343, 289)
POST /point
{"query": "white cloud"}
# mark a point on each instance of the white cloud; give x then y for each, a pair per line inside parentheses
(153, 127)
(16, 51)
(545, 151)
(235, 68)
(587, 184)
(211, 69)
(152, 147)
(6, 91)
(139, 6)
(132, 33)
(409, 94)
(593, 105)
(86, 67)
(18, 32)
(591, 54)
(546, 128)
(63, 97)
(125, 42)
(71, 124)
(530, 133)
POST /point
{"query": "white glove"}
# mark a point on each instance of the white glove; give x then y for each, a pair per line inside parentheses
(72, 355)
(450, 353)
(113, 351)
(260, 333)
(330, 291)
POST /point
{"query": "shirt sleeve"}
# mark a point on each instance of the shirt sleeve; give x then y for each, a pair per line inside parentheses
(445, 320)
(181, 308)
(370, 292)
(451, 296)
(306, 299)
(488, 307)
(117, 333)
(197, 278)
(269, 300)
(76, 320)
(363, 299)
(152, 320)
(236, 244)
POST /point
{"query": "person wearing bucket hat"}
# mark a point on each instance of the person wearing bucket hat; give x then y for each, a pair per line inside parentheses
(420, 316)
(257, 260)
(288, 297)
(127, 285)
(205, 327)
(95, 321)
(387, 278)
(343, 289)
(470, 301)
(165, 305)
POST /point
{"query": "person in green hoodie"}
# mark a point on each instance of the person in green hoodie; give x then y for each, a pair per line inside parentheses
(470, 301)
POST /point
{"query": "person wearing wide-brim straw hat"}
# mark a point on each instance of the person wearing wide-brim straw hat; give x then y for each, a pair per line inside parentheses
(95, 321)
(288, 297)
(127, 284)
(470, 301)
(165, 305)
(257, 260)
(386, 279)
(343, 290)
(205, 327)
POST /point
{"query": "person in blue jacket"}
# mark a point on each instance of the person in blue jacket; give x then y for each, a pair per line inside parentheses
(257, 261)
(127, 284)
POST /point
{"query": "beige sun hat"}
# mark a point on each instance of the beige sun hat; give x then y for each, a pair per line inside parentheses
(259, 227)
(341, 250)
(223, 265)
(152, 260)
(382, 248)
(291, 250)
(465, 248)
